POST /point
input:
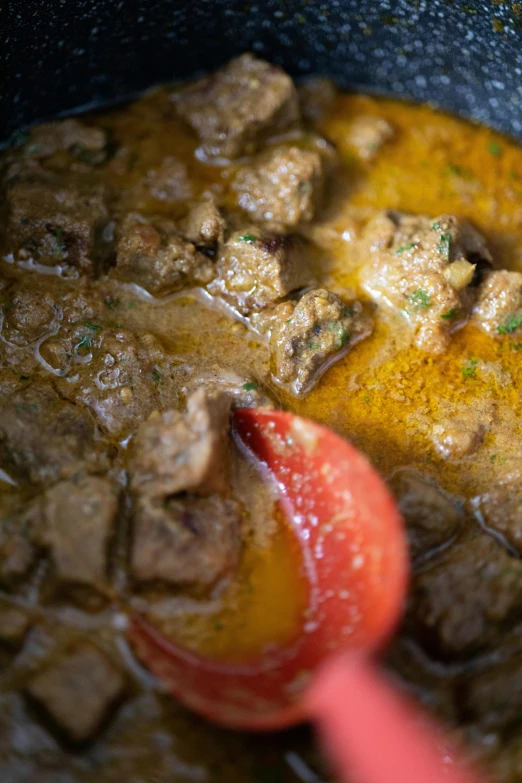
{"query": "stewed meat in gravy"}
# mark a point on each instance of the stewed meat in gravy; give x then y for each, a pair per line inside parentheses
(243, 241)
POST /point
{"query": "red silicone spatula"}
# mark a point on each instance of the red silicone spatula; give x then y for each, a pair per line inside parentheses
(354, 550)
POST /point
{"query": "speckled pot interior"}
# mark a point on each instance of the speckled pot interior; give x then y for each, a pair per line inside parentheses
(61, 55)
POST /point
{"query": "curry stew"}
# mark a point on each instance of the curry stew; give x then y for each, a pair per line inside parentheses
(242, 242)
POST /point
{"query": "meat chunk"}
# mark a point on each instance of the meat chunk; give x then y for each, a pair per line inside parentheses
(236, 108)
(203, 225)
(493, 698)
(77, 528)
(169, 182)
(184, 540)
(77, 691)
(86, 143)
(367, 133)
(459, 437)
(499, 306)
(183, 452)
(258, 268)
(461, 604)
(244, 392)
(18, 553)
(426, 268)
(29, 313)
(310, 334)
(55, 225)
(500, 509)
(432, 517)
(44, 438)
(284, 184)
(158, 258)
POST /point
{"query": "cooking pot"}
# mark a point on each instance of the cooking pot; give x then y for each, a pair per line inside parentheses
(464, 56)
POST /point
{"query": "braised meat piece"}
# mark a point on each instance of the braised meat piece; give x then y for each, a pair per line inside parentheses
(44, 439)
(284, 184)
(500, 508)
(460, 605)
(29, 313)
(77, 528)
(236, 108)
(86, 143)
(432, 517)
(203, 225)
(460, 436)
(169, 182)
(158, 258)
(19, 524)
(499, 306)
(309, 335)
(367, 133)
(258, 268)
(54, 224)
(426, 268)
(183, 452)
(184, 540)
(77, 691)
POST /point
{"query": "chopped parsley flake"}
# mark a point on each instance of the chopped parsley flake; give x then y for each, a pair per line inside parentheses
(455, 170)
(451, 314)
(495, 148)
(314, 346)
(436, 226)
(156, 377)
(408, 246)
(366, 399)
(250, 386)
(419, 299)
(131, 305)
(469, 370)
(444, 244)
(85, 342)
(111, 303)
(250, 238)
(512, 323)
(57, 232)
(91, 326)
(493, 458)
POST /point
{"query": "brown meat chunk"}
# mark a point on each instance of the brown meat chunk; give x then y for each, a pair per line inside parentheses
(158, 258)
(184, 540)
(29, 313)
(78, 521)
(432, 517)
(169, 181)
(86, 143)
(367, 133)
(258, 268)
(500, 508)
(55, 225)
(77, 691)
(44, 439)
(459, 437)
(183, 452)
(493, 698)
(284, 184)
(426, 268)
(461, 604)
(203, 225)
(18, 553)
(310, 334)
(236, 108)
(499, 306)
(243, 392)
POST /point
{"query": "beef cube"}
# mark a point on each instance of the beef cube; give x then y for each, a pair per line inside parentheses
(44, 439)
(499, 306)
(500, 508)
(55, 225)
(426, 268)
(284, 184)
(367, 133)
(493, 698)
(77, 691)
(235, 109)
(158, 258)
(77, 528)
(18, 553)
(186, 540)
(432, 517)
(460, 436)
(461, 603)
(183, 452)
(310, 334)
(203, 225)
(242, 391)
(169, 182)
(256, 269)
(86, 143)
(29, 313)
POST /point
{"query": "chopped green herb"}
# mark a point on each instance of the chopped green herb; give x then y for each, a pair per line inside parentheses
(419, 299)
(366, 399)
(512, 323)
(516, 347)
(469, 370)
(314, 346)
(83, 154)
(456, 170)
(250, 386)
(343, 336)
(91, 326)
(436, 226)
(495, 148)
(444, 244)
(451, 314)
(408, 246)
(347, 311)
(131, 305)
(57, 232)
(156, 377)
(85, 342)
(288, 321)
(111, 303)
(250, 238)
(34, 406)
(493, 457)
